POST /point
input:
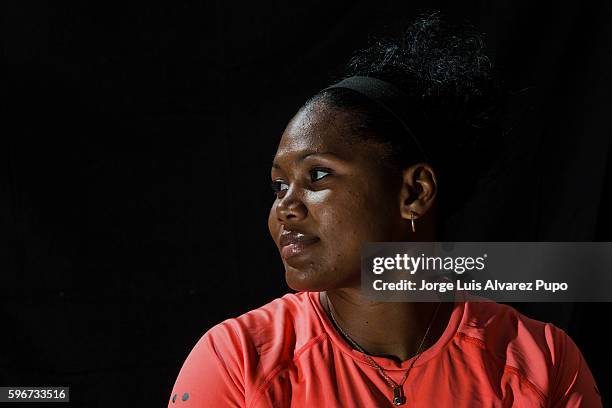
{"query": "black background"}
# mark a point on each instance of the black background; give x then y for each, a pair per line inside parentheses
(137, 142)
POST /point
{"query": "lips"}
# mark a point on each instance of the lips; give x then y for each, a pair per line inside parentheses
(293, 243)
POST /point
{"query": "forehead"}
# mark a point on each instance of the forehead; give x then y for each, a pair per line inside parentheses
(318, 129)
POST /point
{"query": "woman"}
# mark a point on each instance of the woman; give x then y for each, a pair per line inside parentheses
(384, 155)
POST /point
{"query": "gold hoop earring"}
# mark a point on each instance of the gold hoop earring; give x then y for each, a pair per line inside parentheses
(412, 220)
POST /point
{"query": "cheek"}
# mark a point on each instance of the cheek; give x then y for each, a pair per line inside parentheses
(345, 228)
(359, 217)
(273, 222)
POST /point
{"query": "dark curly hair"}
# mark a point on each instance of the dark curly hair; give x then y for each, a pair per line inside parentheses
(444, 69)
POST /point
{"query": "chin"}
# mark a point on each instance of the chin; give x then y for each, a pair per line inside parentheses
(313, 277)
(306, 279)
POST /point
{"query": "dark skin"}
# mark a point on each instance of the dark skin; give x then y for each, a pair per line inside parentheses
(342, 196)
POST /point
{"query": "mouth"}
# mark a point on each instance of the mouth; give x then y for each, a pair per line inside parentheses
(297, 248)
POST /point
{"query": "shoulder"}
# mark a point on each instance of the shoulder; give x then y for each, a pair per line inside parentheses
(509, 334)
(237, 355)
(286, 323)
(541, 354)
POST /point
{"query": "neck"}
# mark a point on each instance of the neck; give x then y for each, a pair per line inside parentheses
(387, 329)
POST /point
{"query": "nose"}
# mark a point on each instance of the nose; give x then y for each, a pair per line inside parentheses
(290, 207)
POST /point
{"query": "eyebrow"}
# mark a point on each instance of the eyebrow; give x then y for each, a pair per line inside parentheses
(305, 155)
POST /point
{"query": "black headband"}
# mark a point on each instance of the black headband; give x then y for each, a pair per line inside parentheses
(387, 96)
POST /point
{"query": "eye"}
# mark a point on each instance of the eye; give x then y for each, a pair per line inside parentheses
(276, 186)
(316, 172)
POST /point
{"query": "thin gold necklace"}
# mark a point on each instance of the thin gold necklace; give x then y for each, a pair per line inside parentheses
(398, 389)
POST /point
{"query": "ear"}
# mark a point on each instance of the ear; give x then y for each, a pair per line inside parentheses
(418, 192)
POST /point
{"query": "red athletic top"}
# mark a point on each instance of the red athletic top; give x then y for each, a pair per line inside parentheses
(288, 354)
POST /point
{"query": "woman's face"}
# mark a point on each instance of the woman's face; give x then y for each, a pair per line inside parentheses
(332, 197)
